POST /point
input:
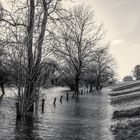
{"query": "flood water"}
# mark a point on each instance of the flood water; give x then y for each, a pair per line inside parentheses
(89, 119)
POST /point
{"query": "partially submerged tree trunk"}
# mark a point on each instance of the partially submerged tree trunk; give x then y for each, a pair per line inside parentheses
(30, 29)
(98, 84)
(2, 89)
(77, 86)
(90, 87)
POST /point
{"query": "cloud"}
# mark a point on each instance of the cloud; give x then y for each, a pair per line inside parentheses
(117, 41)
(125, 43)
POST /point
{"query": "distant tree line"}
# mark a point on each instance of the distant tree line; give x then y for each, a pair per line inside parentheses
(135, 74)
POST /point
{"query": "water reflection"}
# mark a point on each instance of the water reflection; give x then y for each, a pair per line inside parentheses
(26, 129)
(86, 120)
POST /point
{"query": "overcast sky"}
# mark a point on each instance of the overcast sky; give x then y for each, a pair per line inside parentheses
(122, 20)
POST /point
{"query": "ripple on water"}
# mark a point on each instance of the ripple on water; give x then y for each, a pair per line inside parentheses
(89, 119)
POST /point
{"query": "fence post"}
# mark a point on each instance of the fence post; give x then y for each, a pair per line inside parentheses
(67, 96)
(17, 108)
(61, 99)
(87, 90)
(81, 91)
(54, 101)
(36, 105)
(73, 96)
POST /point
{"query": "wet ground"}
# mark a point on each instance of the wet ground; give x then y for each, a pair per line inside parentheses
(89, 119)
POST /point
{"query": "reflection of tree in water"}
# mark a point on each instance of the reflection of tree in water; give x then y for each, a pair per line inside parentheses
(78, 113)
(26, 129)
(84, 123)
(72, 128)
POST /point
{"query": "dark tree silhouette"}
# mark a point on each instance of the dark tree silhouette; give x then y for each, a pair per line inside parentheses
(136, 72)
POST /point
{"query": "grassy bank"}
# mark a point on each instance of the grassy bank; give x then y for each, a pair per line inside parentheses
(130, 131)
(126, 116)
(131, 113)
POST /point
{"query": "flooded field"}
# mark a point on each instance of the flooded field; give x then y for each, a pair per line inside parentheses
(89, 119)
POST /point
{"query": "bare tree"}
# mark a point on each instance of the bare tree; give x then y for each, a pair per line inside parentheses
(101, 70)
(24, 31)
(75, 43)
(103, 67)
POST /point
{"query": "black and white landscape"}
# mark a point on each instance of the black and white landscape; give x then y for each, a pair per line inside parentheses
(69, 70)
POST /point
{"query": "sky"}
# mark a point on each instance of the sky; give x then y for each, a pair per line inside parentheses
(121, 19)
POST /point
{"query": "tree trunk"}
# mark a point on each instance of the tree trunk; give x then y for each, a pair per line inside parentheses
(77, 87)
(91, 87)
(98, 84)
(34, 64)
(2, 89)
(72, 87)
(30, 28)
